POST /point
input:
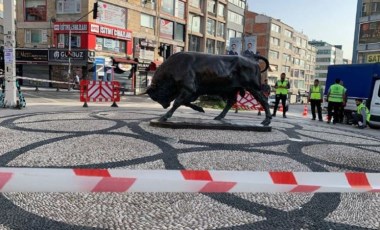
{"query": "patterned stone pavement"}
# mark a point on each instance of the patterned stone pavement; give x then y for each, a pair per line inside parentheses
(100, 137)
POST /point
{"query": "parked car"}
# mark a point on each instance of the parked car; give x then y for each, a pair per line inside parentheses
(272, 100)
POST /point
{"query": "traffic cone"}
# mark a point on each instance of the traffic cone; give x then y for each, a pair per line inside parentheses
(305, 111)
(280, 109)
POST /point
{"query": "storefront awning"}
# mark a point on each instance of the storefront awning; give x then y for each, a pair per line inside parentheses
(154, 65)
(124, 61)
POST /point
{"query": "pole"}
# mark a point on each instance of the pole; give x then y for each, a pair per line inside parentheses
(10, 99)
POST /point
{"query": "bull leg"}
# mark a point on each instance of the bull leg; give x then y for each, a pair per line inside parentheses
(182, 99)
(231, 100)
(259, 96)
(195, 107)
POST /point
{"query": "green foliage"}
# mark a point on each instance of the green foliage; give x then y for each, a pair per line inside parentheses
(214, 102)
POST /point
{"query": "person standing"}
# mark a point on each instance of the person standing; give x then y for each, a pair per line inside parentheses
(315, 98)
(335, 98)
(362, 115)
(343, 105)
(282, 86)
(265, 89)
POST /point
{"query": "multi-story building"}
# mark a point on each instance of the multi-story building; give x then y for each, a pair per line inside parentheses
(100, 47)
(235, 20)
(327, 55)
(367, 37)
(1, 23)
(287, 51)
(207, 26)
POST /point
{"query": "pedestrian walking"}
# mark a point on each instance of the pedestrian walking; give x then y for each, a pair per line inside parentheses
(316, 98)
(282, 86)
(265, 89)
(335, 98)
(76, 82)
(343, 105)
(362, 115)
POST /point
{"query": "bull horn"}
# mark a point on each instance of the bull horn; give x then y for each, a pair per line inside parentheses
(266, 63)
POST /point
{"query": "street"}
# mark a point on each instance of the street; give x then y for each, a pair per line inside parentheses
(55, 131)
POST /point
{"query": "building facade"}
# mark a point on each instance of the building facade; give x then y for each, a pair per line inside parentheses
(287, 51)
(367, 32)
(327, 55)
(235, 20)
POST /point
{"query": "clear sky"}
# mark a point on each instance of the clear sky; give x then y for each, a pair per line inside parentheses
(332, 21)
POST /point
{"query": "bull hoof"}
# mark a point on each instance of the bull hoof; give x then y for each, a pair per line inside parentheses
(218, 118)
(266, 122)
(162, 119)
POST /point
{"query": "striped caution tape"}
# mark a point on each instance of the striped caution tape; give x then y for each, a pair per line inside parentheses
(122, 180)
(41, 80)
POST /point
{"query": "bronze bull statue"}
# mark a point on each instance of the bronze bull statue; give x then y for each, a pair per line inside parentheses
(185, 76)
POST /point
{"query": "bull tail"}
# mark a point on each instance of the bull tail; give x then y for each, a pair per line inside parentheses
(266, 62)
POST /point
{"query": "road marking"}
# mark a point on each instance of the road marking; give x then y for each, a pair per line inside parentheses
(294, 139)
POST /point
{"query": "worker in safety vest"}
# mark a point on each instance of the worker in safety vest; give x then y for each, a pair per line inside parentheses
(315, 98)
(282, 86)
(362, 115)
(335, 98)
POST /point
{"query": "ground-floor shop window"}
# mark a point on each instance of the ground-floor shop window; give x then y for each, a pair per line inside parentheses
(109, 44)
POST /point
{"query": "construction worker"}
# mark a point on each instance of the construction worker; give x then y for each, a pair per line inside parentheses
(362, 115)
(335, 98)
(315, 98)
(282, 86)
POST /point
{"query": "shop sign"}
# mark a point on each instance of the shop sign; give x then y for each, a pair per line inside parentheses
(61, 55)
(78, 27)
(111, 32)
(124, 67)
(111, 15)
(31, 55)
(374, 57)
(166, 29)
(148, 43)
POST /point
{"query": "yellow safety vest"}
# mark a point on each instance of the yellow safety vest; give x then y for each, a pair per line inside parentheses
(315, 93)
(336, 93)
(359, 109)
(284, 90)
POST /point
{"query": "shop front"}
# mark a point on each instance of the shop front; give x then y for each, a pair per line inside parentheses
(79, 63)
(32, 63)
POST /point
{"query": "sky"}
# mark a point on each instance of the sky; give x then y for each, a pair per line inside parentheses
(332, 21)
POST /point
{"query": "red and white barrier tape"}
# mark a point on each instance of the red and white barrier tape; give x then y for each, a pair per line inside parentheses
(122, 180)
(41, 80)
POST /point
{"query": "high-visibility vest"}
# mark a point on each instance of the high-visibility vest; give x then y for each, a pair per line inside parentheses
(359, 109)
(336, 93)
(315, 93)
(284, 90)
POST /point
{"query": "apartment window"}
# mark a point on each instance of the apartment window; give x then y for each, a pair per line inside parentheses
(323, 59)
(364, 9)
(75, 40)
(35, 36)
(195, 43)
(288, 45)
(285, 69)
(220, 30)
(196, 3)
(274, 68)
(168, 6)
(286, 57)
(238, 3)
(324, 52)
(112, 45)
(220, 47)
(273, 54)
(35, 10)
(234, 17)
(303, 43)
(274, 41)
(147, 21)
(275, 28)
(296, 61)
(211, 26)
(68, 6)
(194, 23)
(210, 46)
(151, 4)
(211, 6)
(238, 34)
(375, 8)
(180, 9)
(288, 33)
(179, 32)
(302, 63)
(221, 10)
